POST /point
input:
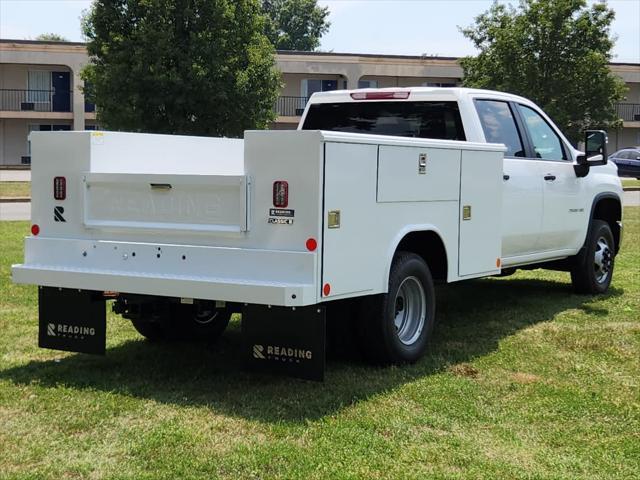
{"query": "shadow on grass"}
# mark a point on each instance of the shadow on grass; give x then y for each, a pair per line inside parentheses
(472, 318)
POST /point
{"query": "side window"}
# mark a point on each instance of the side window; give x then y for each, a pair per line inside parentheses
(546, 143)
(499, 126)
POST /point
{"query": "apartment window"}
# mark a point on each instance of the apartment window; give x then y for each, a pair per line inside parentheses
(439, 84)
(39, 86)
(45, 127)
(312, 85)
(367, 84)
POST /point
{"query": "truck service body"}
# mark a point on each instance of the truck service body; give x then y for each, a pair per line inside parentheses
(378, 193)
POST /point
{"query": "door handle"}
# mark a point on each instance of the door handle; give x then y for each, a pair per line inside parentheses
(549, 177)
(505, 177)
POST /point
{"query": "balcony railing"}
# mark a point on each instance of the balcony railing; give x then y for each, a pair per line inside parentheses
(629, 112)
(291, 106)
(35, 100)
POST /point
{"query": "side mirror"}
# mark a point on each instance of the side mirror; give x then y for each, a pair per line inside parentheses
(595, 142)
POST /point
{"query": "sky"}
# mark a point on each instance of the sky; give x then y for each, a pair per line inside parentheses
(399, 27)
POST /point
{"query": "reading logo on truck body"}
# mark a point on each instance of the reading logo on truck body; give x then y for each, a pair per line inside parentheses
(281, 212)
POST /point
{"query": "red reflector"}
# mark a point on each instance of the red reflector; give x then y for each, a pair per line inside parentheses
(280, 194)
(35, 229)
(59, 188)
(312, 244)
(397, 95)
(326, 289)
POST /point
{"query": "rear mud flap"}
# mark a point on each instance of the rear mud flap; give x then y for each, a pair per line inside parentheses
(72, 320)
(285, 340)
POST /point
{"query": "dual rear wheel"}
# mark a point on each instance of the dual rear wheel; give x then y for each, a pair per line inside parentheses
(176, 321)
(395, 327)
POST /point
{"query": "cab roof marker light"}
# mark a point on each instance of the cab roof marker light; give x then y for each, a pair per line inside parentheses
(382, 95)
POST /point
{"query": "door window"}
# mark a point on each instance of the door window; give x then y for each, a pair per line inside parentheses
(499, 126)
(546, 143)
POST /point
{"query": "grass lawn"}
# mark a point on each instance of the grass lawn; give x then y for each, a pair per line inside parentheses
(630, 182)
(15, 189)
(524, 380)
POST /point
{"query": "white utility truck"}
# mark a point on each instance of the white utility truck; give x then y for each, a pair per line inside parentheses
(379, 193)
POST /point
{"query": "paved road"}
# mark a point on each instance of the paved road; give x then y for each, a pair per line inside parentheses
(15, 175)
(15, 211)
(631, 199)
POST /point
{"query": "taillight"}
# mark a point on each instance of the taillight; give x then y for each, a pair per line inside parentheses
(382, 95)
(35, 229)
(280, 194)
(59, 188)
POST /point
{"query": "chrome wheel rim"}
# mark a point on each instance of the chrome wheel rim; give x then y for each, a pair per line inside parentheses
(603, 260)
(410, 310)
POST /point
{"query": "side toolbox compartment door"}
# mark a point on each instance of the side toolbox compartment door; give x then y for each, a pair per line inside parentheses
(480, 213)
(349, 220)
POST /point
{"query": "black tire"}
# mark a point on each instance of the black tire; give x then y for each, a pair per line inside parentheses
(386, 332)
(592, 268)
(152, 331)
(200, 321)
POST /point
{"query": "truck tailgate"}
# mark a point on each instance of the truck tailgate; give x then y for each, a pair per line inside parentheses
(206, 203)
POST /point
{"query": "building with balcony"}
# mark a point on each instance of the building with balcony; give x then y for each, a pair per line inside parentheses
(41, 88)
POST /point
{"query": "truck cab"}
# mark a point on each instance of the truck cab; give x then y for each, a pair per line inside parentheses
(546, 204)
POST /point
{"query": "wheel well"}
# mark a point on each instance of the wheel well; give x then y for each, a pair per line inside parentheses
(430, 247)
(609, 210)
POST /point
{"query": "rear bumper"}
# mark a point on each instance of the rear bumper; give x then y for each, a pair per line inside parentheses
(267, 277)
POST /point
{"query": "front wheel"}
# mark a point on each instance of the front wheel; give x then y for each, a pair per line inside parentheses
(592, 270)
(395, 327)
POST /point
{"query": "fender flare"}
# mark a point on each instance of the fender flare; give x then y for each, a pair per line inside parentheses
(393, 246)
(594, 203)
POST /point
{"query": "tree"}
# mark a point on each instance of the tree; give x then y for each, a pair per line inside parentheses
(555, 52)
(51, 37)
(295, 24)
(201, 67)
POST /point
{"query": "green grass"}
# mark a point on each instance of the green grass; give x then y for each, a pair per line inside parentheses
(15, 189)
(524, 379)
(630, 182)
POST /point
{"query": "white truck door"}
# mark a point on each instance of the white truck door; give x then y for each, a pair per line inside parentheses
(565, 212)
(522, 207)
(351, 261)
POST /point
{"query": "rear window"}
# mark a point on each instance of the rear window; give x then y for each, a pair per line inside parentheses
(440, 120)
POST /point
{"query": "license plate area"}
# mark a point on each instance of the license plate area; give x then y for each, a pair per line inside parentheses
(72, 320)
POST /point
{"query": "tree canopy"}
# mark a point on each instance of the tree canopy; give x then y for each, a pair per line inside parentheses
(51, 37)
(295, 24)
(202, 67)
(555, 52)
